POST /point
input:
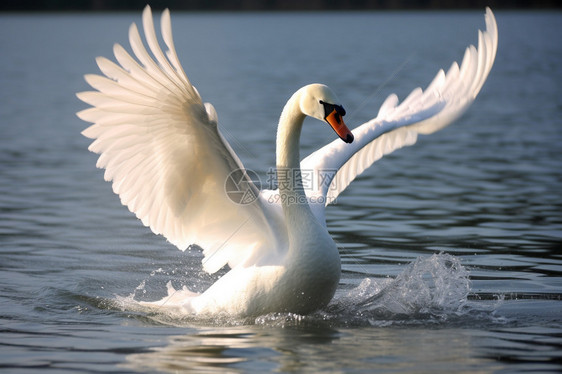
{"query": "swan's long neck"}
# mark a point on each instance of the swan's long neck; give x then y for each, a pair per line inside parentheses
(313, 258)
(293, 198)
(288, 134)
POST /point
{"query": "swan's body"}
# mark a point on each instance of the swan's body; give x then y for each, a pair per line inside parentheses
(161, 147)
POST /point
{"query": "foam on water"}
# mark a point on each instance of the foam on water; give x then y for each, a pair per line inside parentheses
(429, 290)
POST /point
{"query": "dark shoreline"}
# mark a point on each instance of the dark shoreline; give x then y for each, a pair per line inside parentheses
(270, 5)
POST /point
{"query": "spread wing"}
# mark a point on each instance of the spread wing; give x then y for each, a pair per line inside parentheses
(161, 147)
(398, 124)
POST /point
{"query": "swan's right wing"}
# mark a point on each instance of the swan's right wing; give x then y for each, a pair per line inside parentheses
(163, 151)
(397, 125)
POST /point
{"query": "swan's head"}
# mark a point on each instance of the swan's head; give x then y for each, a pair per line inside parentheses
(318, 101)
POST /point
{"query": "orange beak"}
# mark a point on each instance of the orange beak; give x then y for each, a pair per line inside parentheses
(336, 121)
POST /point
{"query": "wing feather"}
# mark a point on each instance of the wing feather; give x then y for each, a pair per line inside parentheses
(398, 124)
(125, 79)
(166, 29)
(162, 150)
(154, 46)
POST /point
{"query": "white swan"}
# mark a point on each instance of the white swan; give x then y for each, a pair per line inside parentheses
(161, 147)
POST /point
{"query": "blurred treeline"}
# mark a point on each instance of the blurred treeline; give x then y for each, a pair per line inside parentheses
(267, 5)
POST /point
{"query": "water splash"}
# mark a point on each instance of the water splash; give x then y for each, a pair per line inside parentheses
(431, 289)
(434, 287)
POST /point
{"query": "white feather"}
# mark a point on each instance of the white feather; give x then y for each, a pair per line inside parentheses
(163, 152)
(397, 124)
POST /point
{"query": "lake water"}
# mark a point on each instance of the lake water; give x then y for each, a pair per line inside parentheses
(452, 248)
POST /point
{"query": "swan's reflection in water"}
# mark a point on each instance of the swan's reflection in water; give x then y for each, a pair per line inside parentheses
(263, 349)
(316, 349)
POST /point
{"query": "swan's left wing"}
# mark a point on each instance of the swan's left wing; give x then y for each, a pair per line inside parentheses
(333, 167)
(163, 151)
